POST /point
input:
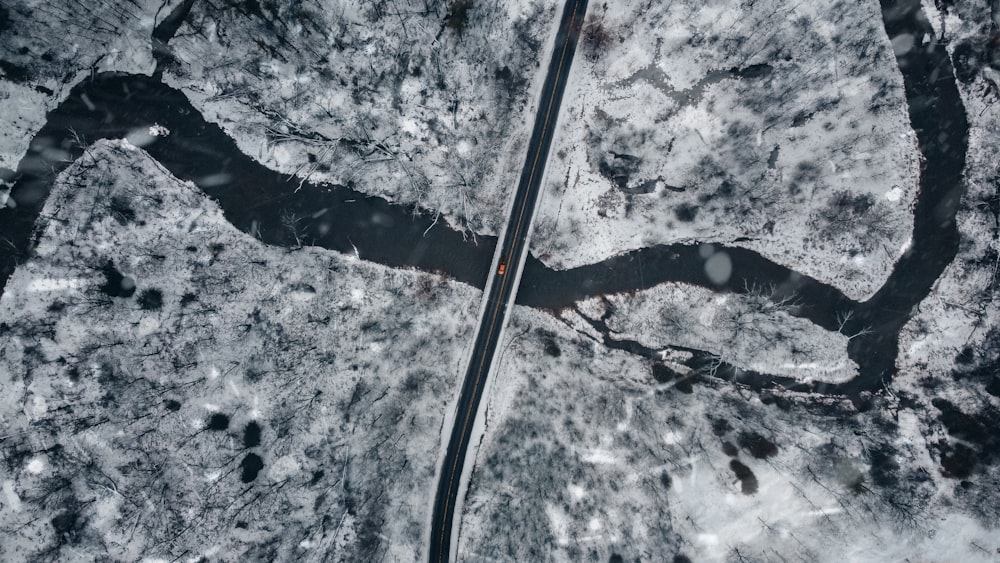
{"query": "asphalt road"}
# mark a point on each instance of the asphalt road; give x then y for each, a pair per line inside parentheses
(502, 286)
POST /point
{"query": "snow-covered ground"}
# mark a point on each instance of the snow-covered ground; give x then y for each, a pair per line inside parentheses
(777, 126)
(949, 361)
(586, 457)
(169, 387)
(425, 103)
(172, 388)
(750, 331)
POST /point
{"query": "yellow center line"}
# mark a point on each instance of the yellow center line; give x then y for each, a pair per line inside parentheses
(503, 281)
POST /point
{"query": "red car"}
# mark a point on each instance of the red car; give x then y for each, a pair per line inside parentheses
(503, 267)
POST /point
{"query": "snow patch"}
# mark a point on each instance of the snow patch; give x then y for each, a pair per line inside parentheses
(895, 194)
(13, 500)
(35, 466)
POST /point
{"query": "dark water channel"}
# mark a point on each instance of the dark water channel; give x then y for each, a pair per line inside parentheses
(256, 200)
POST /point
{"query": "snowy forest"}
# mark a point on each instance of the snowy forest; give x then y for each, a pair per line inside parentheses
(246, 249)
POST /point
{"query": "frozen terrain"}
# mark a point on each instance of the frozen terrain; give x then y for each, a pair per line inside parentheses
(753, 331)
(172, 388)
(777, 126)
(588, 457)
(598, 455)
(424, 103)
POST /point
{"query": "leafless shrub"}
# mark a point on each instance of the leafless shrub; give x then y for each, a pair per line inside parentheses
(596, 37)
(868, 220)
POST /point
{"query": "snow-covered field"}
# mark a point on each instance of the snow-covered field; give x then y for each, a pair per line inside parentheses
(425, 103)
(586, 457)
(751, 331)
(172, 388)
(777, 126)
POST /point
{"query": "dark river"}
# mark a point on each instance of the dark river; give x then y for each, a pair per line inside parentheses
(339, 218)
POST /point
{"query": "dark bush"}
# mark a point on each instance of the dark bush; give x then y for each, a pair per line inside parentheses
(684, 386)
(665, 480)
(969, 58)
(66, 524)
(685, 212)
(721, 427)
(115, 283)
(218, 422)
(758, 446)
(151, 299)
(251, 435)
(121, 210)
(662, 373)
(596, 38)
(458, 17)
(747, 479)
(958, 461)
(729, 449)
(251, 466)
(993, 387)
(884, 467)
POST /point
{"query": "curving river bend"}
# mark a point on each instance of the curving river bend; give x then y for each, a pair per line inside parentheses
(255, 199)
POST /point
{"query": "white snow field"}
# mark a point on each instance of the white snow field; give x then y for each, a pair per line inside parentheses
(148, 341)
(776, 126)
